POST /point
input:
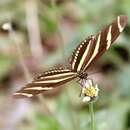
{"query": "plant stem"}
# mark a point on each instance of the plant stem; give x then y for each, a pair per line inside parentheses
(92, 116)
(17, 42)
(31, 8)
(54, 6)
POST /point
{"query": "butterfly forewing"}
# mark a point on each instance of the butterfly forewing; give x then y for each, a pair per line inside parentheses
(106, 37)
(81, 52)
(97, 45)
(46, 81)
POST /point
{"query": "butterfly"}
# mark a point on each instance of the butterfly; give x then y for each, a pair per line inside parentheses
(86, 53)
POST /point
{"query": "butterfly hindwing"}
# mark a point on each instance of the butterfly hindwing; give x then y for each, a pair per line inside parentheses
(46, 81)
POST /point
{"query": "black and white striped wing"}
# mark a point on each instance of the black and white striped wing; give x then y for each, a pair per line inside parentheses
(92, 48)
(82, 53)
(46, 81)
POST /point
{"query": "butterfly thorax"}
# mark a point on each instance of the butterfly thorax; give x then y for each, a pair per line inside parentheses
(82, 74)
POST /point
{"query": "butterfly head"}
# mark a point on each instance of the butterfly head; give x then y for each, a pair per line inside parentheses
(83, 75)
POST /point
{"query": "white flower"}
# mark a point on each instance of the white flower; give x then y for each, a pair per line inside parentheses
(89, 90)
(86, 99)
(85, 83)
(97, 90)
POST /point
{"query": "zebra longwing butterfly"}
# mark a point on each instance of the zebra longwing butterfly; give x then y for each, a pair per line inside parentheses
(85, 54)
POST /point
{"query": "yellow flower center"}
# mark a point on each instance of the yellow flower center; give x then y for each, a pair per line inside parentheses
(90, 91)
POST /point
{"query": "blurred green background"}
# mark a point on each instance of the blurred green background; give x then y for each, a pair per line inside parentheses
(45, 33)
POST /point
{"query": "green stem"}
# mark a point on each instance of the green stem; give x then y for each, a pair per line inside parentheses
(92, 116)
